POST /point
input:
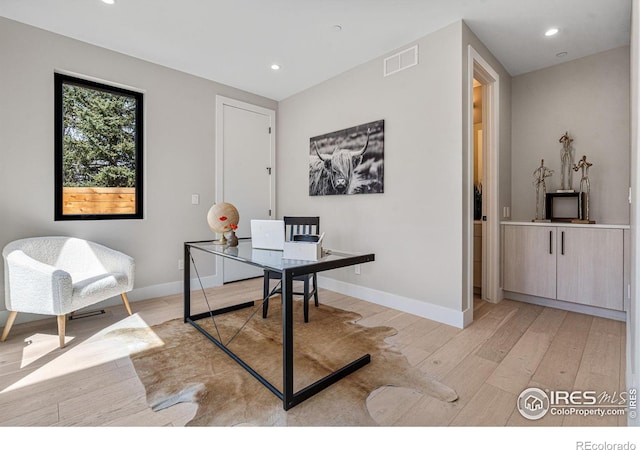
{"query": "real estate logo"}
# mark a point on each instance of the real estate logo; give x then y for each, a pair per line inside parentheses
(533, 403)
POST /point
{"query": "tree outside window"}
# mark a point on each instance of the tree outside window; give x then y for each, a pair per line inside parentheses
(98, 150)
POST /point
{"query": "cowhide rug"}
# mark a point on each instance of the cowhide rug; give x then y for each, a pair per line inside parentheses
(190, 368)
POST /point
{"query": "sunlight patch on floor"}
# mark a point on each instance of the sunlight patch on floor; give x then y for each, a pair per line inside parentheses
(38, 346)
(126, 337)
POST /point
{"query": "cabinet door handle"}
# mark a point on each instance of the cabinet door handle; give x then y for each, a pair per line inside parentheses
(551, 242)
(562, 244)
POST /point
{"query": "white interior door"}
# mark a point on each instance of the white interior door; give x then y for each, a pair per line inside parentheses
(245, 155)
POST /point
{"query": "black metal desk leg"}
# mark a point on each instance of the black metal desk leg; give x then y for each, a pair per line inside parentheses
(287, 340)
(187, 282)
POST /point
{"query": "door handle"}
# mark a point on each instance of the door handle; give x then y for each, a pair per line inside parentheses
(562, 243)
(551, 242)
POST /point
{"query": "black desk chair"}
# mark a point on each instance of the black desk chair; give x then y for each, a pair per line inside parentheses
(295, 226)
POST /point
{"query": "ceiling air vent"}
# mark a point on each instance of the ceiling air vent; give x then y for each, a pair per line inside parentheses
(400, 61)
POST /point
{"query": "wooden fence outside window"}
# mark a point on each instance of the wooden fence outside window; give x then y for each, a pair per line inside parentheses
(98, 200)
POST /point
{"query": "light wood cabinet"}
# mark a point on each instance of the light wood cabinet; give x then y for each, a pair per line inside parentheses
(530, 260)
(574, 264)
(590, 267)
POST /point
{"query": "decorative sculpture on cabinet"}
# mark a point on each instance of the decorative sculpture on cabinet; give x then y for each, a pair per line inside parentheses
(567, 163)
(585, 189)
(539, 176)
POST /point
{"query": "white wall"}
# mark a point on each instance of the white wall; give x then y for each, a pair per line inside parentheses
(178, 160)
(589, 98)
(415, 228)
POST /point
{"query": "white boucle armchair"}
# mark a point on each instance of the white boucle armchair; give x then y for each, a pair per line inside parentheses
(57, 275)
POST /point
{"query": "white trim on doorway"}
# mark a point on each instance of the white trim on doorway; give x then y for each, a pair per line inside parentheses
(221, 102)
(479, 69)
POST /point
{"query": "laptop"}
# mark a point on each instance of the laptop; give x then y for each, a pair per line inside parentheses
(267, 234)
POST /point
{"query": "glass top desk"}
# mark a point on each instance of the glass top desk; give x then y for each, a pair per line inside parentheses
(289, 268)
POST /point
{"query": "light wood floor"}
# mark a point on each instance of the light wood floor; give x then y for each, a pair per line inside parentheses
(509, 347)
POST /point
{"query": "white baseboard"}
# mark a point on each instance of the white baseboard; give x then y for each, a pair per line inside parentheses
(409, 305)
(568, 306)
(137, 294)
(172, 288)
(430, 311)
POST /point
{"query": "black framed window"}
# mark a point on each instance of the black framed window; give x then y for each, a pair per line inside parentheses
(98, 150)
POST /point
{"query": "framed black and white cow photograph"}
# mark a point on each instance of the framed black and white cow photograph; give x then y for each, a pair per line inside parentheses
(349, 161)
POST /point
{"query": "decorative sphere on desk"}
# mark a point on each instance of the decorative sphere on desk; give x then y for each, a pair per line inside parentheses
(223, 218)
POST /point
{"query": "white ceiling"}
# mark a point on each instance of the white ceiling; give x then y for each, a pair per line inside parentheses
(235, 41)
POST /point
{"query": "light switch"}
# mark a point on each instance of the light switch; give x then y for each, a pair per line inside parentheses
(195, 199)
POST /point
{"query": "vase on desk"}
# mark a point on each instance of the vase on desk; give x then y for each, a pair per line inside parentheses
(232, 240)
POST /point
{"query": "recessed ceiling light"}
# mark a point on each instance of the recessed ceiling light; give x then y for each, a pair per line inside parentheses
(551, 32)
(109, 2)
(275, 66)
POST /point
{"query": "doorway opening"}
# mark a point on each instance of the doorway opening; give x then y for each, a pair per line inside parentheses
(477, 190)
(483, 217)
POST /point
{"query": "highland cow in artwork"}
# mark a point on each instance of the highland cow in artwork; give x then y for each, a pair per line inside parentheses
(349, 161)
